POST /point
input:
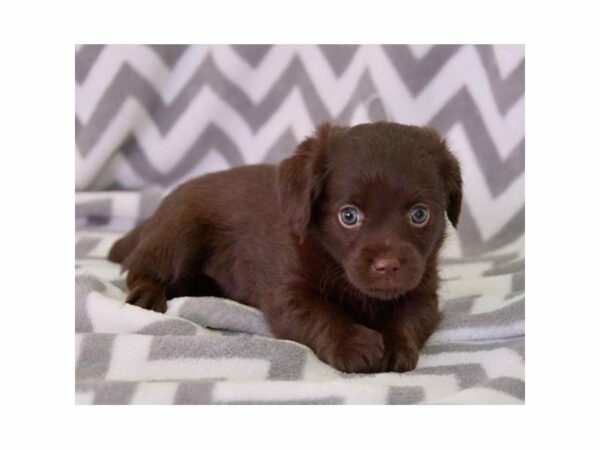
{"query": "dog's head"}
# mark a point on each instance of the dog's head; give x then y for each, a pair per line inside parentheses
(375, 196)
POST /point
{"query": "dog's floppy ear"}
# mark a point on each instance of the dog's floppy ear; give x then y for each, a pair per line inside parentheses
(450, 170)
(300, 179)
(450, 173)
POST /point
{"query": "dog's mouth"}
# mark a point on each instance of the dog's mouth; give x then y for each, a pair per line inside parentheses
(387, 289)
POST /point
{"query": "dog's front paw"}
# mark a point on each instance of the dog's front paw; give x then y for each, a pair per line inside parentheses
(358, 349)
(148, 297)
(402, 359)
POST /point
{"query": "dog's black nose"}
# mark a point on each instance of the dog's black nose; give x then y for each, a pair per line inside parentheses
(385, 266)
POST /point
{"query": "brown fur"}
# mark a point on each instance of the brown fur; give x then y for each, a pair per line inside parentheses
(364, 299)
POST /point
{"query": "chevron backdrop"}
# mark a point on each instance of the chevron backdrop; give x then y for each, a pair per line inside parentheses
(153, 116)
(148, 117)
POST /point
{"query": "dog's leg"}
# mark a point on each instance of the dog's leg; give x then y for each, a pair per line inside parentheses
(150, 269)
(326, 329)
(146, 292)
(406, 330)
(164, 261)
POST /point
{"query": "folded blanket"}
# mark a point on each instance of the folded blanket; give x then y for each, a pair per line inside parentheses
(213, 350)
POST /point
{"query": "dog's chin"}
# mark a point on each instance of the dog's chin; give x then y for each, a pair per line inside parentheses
(382, 294)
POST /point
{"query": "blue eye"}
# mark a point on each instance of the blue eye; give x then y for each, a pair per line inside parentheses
(419, 215)
(350, 216)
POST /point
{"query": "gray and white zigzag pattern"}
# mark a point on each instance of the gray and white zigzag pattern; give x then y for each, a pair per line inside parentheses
(158, 115)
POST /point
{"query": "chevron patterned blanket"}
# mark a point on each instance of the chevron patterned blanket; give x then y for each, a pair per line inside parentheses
(150, 117)
(212, 350)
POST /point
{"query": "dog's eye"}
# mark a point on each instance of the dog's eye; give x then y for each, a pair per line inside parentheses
(350, 216)
(419, 215)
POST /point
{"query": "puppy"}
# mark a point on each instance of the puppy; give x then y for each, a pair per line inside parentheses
(337, 245)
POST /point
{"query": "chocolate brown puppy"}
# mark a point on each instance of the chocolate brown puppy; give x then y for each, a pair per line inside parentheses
(337, 245)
